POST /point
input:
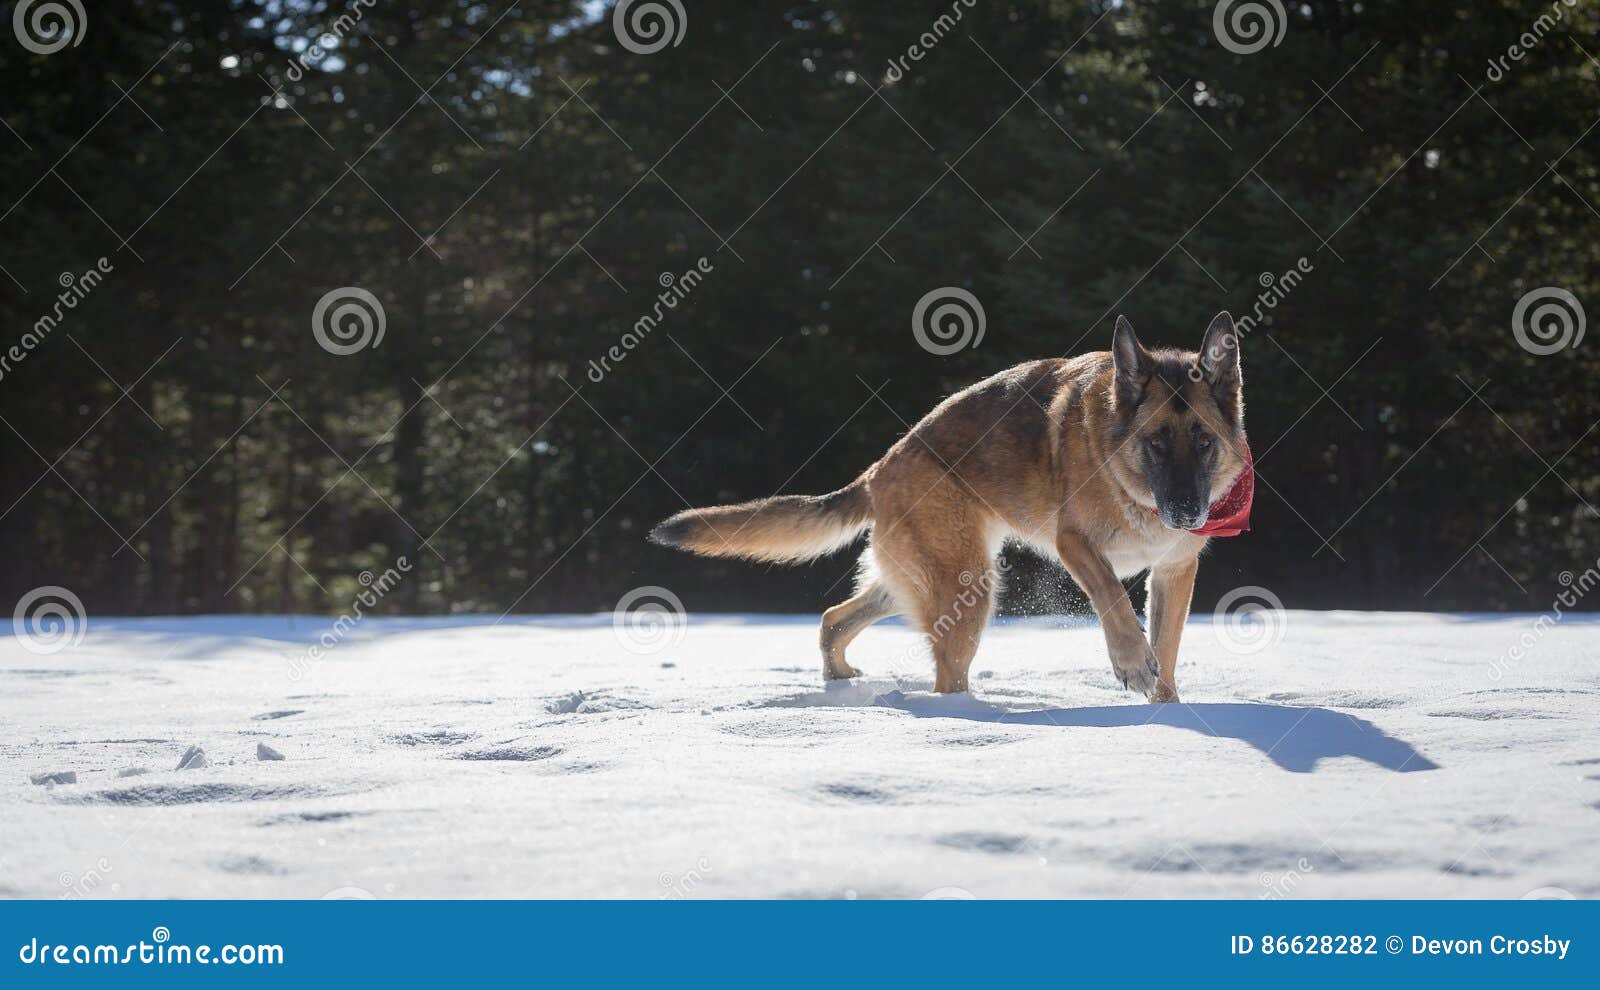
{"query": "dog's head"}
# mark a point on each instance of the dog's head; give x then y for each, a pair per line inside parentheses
(1177, 423)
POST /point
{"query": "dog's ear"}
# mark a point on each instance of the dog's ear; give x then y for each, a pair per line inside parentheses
(1219, 354)
(1131, 361)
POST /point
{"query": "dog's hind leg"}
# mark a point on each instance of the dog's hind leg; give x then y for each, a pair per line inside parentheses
(949, 583)
(844, 622)
(954, 618)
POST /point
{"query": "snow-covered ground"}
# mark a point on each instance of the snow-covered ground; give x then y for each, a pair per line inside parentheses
(1362, 755)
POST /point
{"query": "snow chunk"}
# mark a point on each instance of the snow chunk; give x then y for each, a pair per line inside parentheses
(265, 752)
(591, 703)
(193, 759)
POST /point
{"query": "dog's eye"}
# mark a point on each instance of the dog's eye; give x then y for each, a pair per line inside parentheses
(1203, 442)
(1157, 443)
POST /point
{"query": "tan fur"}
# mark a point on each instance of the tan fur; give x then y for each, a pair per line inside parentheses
(785, 528)
(1044, 453)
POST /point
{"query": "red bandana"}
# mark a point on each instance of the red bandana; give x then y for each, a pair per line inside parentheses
(1230, 514)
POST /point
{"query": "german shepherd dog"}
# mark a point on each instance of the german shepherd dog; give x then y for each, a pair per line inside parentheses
(1106, 460)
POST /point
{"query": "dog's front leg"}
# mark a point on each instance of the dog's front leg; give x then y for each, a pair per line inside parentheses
(1171, 586)
(1131, 657)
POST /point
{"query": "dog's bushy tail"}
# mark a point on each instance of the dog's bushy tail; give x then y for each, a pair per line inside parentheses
(784, 529)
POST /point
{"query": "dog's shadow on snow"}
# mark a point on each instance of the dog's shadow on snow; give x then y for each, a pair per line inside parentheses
(1295, 738)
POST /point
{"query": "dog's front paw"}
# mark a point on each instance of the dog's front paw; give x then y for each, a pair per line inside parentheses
(1137, 668)
(839, 671)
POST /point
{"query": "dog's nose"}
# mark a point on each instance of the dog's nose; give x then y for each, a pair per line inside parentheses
(1181, 518)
